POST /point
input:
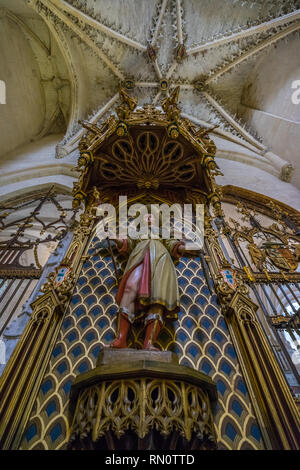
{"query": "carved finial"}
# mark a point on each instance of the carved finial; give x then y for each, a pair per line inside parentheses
(128, 104)
(127, 100)
(172, 99)
(205, 131)
(89, 126)
(170, 107)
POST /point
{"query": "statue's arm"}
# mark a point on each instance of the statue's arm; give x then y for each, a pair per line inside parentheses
(125, 245)
(176, 248)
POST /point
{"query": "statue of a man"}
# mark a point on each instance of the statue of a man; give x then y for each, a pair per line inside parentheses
(149, 287)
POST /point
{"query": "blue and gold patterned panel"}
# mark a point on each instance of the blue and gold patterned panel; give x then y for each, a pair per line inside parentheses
(199, 337)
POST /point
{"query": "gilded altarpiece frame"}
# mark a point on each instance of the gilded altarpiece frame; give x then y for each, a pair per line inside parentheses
(85, 299)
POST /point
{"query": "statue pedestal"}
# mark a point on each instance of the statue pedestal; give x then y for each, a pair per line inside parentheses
(129, 355)
(142, 399)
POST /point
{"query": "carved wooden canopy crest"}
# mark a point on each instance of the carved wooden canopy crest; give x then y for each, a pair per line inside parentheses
(146, 149)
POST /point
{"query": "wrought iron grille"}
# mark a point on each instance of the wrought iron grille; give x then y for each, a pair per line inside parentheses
(30, 229)
(267, 254)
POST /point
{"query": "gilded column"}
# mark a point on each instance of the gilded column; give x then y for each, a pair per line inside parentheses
(272, 399)
(24, 372)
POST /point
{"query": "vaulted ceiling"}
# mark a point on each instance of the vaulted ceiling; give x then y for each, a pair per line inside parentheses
(235, 62)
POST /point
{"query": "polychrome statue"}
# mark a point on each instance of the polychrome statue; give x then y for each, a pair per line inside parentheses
(149, 287)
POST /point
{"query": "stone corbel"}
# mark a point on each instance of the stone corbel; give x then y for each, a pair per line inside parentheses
(285, 168)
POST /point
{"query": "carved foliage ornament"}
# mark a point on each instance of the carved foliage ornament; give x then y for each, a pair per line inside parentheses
(63, 290)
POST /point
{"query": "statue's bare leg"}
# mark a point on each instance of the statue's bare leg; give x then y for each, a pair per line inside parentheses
(131, 289)
(126, 312)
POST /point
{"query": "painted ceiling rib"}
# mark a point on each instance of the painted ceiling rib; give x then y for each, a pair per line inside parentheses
(274, 23)
(172, 69)
(63, 45)
(147, 84)
(223, 133)
(66, 51)
(254, 50)
(183, 86)
(84, 37)
(98, 25)
(284, 167)
(248, 137)
(158, 23)
(155, 37)
(157, 69)
(179, 22)
(72, 142)
(156, 98)
(27, 30)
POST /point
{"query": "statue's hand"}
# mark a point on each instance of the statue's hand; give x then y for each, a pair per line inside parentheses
(181, 249)
(118, 242)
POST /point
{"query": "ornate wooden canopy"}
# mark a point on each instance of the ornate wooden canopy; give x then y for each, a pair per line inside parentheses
(146, 149)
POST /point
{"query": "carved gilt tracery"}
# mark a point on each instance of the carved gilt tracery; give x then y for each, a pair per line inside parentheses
(147, 161)
(142, 405)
